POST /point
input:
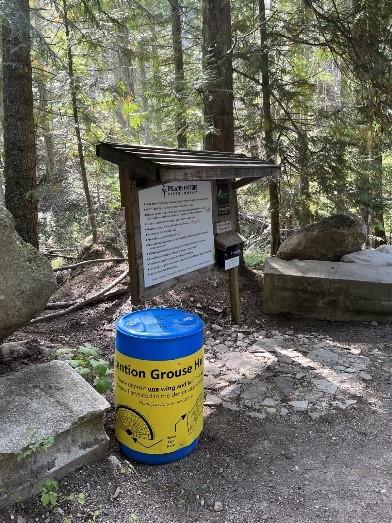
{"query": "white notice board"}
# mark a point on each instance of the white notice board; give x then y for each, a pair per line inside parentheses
(176, 230)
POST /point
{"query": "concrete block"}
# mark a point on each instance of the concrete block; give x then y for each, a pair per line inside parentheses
(51, 424)
(328, 290)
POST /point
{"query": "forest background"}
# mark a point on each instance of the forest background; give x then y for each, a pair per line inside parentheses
(309, 81)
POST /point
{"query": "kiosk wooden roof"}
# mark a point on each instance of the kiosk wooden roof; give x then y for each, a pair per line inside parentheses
(163, 164)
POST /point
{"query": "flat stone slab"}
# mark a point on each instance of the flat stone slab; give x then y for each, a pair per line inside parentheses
(328, 290)
(51, 424)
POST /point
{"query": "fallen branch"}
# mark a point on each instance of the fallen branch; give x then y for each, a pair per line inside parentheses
(88, 262)
(59, 304)
(99, 296)
(55, 255)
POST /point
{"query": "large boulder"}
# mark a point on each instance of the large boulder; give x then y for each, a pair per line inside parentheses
(96, 251)
(51, 424)
(26, 278)
(378, 257)
(328, 240)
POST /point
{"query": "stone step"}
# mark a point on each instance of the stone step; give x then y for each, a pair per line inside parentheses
(51, 424)
(328, 290)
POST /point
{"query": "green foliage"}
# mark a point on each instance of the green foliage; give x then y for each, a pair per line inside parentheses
(86, 361)
(94, 516)
(78, 498)
(255, 259)
(37, 444)
(49, 493)
(330, 74)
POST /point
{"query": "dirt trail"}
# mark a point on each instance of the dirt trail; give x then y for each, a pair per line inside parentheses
(261, 458)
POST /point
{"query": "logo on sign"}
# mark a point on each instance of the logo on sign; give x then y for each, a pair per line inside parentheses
(179, 190)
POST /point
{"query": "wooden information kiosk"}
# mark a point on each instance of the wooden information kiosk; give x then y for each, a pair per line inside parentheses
(180, 212)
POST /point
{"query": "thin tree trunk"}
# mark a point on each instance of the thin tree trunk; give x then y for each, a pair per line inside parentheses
(124, 72)
(47, 134)
(179, 84)
(377, 215)
(75, 111)
(19, 131)
(304, 214)
(274, 192)
(217, 64)
(145, 127)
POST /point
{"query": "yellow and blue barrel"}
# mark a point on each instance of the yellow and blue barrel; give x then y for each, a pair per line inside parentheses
(158, 384)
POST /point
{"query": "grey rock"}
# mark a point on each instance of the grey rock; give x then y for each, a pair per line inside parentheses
(299, 405)
(26, 278)
(218, 506)
(240, 336)
(285, 384)
(115, 462)
(323, 356)
(267, 345)
(211, 369)
(221, 347)
(269, 402)
(374, 323)
(231, 392)
(284, 358)
(255, 391)
(328, 240)
(283, 411)
(216, 327)
(231, 406)
(327, 290)
(256, 415)
(15, 350)
(248, 364)
(365, 376)
(220, 384)
(325, 386)
(47, 403)
(212, 401)
(271, 411)
(209, 381)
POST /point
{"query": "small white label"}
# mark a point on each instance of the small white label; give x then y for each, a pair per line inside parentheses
(223, 227)
(231, 263)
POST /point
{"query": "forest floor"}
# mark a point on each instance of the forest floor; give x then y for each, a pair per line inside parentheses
(297, 419)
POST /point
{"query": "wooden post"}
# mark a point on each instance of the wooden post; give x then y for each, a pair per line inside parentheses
(128, 187)
(235, 296)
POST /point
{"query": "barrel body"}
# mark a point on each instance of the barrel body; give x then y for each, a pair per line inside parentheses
(158, 384)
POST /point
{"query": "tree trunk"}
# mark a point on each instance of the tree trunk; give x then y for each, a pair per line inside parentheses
(217, 65)
(145, 126)
(179, 82)
(377, 215)
(47, 133)
(274, 192)
(19, 131)
(75, 111)
(304, 214)
(124, 72)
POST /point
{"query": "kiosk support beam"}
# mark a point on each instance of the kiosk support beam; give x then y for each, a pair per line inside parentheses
(128, 190)
(235, 296)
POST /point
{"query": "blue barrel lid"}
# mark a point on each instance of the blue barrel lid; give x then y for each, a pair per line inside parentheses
(159, 334)
(160, 324)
